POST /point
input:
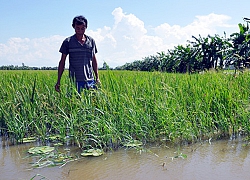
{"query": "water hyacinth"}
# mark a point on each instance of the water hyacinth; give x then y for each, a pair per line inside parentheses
(144, 106)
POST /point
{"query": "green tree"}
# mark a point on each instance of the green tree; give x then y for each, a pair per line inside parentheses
(239, 55)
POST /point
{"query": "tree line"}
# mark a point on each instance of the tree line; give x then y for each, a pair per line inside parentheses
(12, 67)
(201, 53)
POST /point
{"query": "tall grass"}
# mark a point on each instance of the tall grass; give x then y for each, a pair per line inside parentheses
(128, 106)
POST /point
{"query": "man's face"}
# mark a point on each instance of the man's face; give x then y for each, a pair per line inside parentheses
(80, 29)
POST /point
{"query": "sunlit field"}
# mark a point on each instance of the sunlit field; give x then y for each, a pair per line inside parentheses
(150, 107)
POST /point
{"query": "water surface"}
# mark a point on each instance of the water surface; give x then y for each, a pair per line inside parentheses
(223, 159)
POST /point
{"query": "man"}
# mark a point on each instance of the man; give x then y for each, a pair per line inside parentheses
(82, 60)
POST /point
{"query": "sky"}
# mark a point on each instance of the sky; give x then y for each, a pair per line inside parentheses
(32, 31)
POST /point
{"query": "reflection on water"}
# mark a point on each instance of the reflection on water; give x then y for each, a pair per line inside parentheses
(224, 159)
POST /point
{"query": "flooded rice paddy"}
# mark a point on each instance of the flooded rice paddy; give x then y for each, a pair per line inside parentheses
(223, 159)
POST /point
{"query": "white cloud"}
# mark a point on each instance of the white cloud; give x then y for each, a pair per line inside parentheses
(127, 40)
(32, 52)
(202, 25)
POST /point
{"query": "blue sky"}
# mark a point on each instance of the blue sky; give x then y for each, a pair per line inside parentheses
(32, 31)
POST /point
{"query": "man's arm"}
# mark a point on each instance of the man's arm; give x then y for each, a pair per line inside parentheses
(95, 68)
(60, 71)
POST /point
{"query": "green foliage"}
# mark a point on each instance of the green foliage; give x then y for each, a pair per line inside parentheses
(128, 106)
(203, 53)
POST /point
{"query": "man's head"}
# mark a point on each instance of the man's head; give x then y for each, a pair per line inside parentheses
(79, 20)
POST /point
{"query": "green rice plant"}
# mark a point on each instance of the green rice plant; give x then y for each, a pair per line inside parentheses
(144, 106)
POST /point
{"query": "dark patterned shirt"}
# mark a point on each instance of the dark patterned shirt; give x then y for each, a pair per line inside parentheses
(80, 57)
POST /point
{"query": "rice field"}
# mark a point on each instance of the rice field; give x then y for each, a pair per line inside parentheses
(148, 107)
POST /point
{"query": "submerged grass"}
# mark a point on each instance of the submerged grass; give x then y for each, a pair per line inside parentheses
(144, 106)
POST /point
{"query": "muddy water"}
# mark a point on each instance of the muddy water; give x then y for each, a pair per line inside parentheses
(225, 159)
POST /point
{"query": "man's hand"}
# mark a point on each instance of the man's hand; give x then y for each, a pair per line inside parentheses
(57, 87)
(98, 81)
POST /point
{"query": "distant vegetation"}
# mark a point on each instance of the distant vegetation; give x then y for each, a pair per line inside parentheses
(201, 53)
(23, 67)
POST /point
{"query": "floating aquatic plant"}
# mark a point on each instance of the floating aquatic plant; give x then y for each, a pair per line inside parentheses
(133, 143)
(29, 140)
(49, 156)
(41, 150)
(92, 152)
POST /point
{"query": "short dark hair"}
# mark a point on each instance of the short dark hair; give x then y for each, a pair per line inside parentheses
(79, 20)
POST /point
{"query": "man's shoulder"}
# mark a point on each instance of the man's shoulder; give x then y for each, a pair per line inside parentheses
(70, 38)
(89, 37)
